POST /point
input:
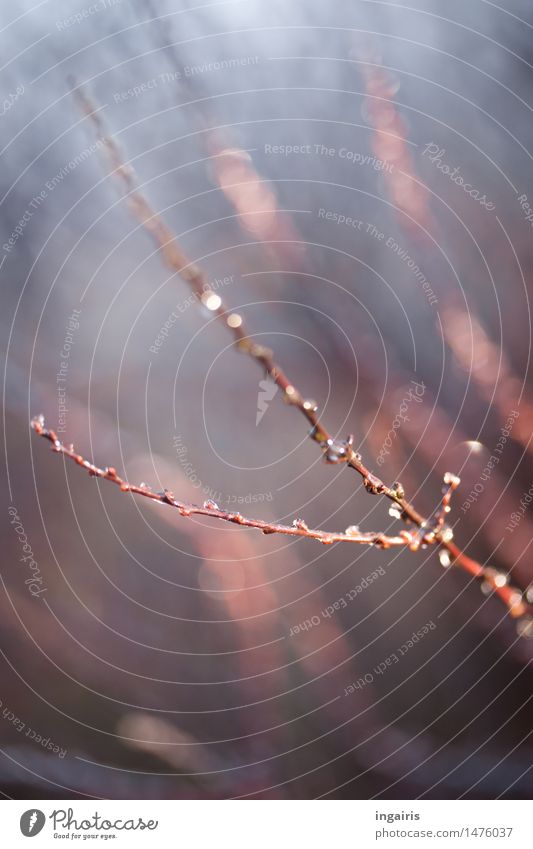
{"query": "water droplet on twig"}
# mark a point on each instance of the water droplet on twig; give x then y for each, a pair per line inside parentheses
(398, 490)
(445, 559)
(524, 627)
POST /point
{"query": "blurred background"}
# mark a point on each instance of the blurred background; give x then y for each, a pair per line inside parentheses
(355, 179)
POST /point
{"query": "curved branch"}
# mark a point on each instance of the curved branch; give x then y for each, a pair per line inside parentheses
(430, 531)
(210, 508)
(334, 450)
(438, 535)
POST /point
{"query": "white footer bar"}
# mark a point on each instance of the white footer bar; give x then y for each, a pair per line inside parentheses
(267, 824)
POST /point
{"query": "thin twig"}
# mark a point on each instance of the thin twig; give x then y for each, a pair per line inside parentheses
(491, 578)
(430, 531)
(210, 508)
(335, 451)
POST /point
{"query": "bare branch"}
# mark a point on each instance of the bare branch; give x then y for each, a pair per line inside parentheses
(491, 578)
(211, 509)
(429, 531)
(335, 451)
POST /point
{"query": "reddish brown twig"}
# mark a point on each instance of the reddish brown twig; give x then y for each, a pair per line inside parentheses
(335, 451)
(491, 578)
(210, 508)
(431, 531)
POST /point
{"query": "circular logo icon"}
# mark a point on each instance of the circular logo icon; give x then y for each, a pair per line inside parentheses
(32, 822)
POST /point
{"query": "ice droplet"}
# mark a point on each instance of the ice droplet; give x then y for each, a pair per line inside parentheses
(211, 301)
(524, 627)
(398, 490)
(500, 579)
(444, 558)
(446, 534)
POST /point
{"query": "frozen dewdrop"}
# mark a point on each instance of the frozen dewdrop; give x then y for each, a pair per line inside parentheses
(234, 320)
(398, 489)
(211, 301)
(352, 530)
(445, 559)
(335, 452)
(451, 480)
(524, 627)
(395, 512)
(414, 542)
(516, 604)
(486, 588)
(446, 534)
(500, 580)
(300, 524)
(260, 351)
(211, 505)
(310, 405)
(290, 391)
